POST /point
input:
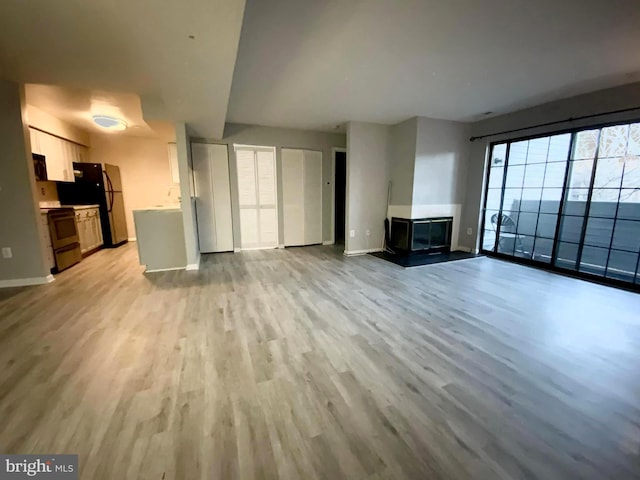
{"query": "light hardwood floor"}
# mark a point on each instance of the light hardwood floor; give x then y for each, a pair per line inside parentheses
(305, 364)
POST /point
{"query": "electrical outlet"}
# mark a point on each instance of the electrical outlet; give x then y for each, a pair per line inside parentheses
(352, 233)
(469, 231)
(368, 233)
(7, 253)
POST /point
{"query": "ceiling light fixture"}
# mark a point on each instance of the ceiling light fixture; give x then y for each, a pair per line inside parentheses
(109, 123)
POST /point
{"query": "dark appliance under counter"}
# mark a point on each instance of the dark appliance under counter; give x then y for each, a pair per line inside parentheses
(421, 235)
(65, 239)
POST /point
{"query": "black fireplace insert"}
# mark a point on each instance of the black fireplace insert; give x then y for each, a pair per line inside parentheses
(421, 235)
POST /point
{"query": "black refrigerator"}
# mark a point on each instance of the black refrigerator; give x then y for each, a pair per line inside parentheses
(98, 184)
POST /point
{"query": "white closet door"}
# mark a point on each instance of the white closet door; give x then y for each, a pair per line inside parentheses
(213, 197)
(312, 197)
(257, 197)
(293, 194)
(302, 194)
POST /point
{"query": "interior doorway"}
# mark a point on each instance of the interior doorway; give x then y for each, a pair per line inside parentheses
(340, 184)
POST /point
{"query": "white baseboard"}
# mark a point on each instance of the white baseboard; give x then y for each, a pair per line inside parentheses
(236, 250)
(194, 266)
(131, 239)
(328, 242)
(361, 252)
(281, 246)
(460, 248)
(25, 282)
(163, 269)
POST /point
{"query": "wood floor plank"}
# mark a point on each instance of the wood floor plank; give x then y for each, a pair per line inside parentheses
(303, 363)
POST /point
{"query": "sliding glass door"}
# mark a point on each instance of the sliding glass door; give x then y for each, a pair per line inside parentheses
(570, 201)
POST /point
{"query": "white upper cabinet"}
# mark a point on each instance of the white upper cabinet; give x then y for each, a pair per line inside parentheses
(59, 154)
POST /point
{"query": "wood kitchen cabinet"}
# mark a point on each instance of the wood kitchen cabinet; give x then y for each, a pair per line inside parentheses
(89, 228)
(59, 154)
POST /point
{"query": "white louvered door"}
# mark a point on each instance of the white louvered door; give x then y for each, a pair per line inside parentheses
(256, 171)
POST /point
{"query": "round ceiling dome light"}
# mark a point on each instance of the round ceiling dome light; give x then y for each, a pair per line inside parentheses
(109, 123)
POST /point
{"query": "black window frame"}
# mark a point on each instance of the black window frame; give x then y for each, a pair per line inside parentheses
(551, 266)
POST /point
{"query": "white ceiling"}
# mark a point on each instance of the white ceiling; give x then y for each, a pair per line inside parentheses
(316, 64)
(137, 47)
(77, 106)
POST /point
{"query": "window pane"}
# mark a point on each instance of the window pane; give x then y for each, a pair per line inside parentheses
(493, 198)
(622, 265)
(576, 201)
(546, 225)
(609, 173)
(631, 177)
(495, 177)
(567, 255)
(571, 229)
(594, 260)
(550, 200)
(633, 147)
(629, 207)
(524, 247)
(604, 202)
(490, 219)
(559, 147)
(599, 231)
(488, 240)
(538, 149)
(518, 153)
(512, 198)
(626, 235)
(507, 243)
(554, 175)
(585, 144)
(580, 174)
(534, 175)
(613, 141)
(530, 201)
(527, 223)
(543, 249)
(515, 176)
(499, 155)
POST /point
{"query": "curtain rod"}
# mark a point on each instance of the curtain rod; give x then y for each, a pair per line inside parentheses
(570, 119)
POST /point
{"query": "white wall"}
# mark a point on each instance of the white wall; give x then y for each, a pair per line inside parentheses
(185, 168)
(402, 159)
(281, 138)
(442, 150)
(19, 215)
(144, 168)
(618, 98)
(368, 175)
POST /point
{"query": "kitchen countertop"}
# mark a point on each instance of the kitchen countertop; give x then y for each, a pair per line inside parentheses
(160, 208)
(75, 207)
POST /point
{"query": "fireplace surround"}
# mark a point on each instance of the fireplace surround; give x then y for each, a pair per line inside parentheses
(421, 235)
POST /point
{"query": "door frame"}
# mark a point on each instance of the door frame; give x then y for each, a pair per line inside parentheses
(334, 150)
